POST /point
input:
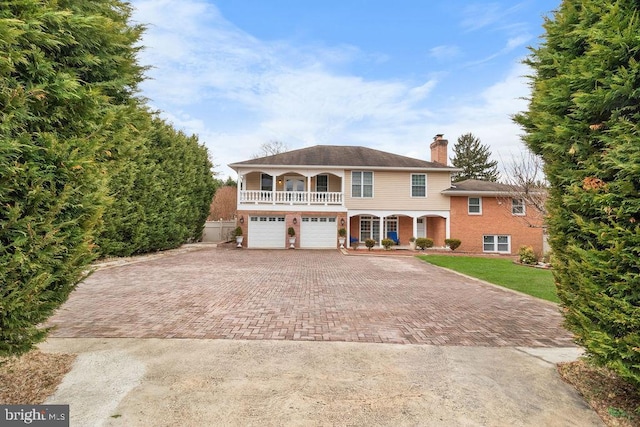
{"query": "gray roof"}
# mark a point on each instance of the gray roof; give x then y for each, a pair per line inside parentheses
(342, 156)
(480, 186)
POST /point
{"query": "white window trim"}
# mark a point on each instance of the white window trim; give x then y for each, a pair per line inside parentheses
(411, 186)
(479, 204)
(495, 243)
(373, 186)
(524, 208)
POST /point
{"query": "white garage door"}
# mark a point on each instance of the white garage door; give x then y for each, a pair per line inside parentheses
(267, 232)
(318, 233)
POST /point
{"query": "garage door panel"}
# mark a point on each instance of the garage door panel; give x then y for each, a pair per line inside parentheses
(266, 232)
(318, 233)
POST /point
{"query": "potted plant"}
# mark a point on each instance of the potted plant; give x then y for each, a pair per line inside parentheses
(342, 233)
(238, 233)
(292, 237)
(412, 243)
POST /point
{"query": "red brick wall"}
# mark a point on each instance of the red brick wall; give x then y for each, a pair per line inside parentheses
(496, 218)
(436, 230)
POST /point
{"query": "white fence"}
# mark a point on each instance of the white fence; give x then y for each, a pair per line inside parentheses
(218, 231)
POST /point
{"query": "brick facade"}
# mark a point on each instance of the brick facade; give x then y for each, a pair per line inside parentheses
(496, 219)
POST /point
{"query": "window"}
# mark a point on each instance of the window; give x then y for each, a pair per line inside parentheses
(517, 207)
(418, 185)
(361, 184)
(266, 182)
(369, 228)
(496, 243)
(322, 183)
(475, 206)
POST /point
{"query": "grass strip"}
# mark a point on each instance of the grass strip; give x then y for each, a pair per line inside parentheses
(536, 282)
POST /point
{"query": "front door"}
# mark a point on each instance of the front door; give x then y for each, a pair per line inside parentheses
(422, 231)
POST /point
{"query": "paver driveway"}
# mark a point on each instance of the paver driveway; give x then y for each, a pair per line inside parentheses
(303, 295)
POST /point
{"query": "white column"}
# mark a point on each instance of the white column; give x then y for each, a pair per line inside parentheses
(447, 226)
(348, 227)
(239, 189)
(308, 190)
(382, 235)
(273, 189)
(415, 227)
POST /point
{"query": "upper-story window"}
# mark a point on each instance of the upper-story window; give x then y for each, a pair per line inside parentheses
(418, 185)
(266, 182)
(322, 183)
(475, 205)
(361, 184)
(517, 207)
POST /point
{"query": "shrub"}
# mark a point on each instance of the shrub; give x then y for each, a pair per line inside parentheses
(291, 231)
(369, 243)
(342, 232)
(424, 243)
(237, 232)
(527, 255)
(453, 243)
(412, 239)
(387, 243)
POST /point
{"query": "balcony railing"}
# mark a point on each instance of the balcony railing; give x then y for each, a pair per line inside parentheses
(291, 197)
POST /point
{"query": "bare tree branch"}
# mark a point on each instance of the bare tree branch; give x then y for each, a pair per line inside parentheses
(271, 148)
(525, 177)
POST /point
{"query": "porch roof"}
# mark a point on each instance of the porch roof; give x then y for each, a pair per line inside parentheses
(341, 156)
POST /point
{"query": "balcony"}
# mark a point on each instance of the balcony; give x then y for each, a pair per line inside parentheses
(309, 198)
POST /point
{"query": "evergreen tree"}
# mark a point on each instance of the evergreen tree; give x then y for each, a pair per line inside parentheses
(67, 74)
(474, 160)
(583, 119)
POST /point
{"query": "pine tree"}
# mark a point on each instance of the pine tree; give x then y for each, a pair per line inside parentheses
(584, 120)
(474, 159)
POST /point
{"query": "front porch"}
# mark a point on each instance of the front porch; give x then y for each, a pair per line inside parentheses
(402, 225)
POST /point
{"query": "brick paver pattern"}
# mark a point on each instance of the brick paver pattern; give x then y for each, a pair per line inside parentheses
(303, 295)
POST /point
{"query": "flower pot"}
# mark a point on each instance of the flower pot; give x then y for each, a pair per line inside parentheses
(412, 246)
(341, 240)
(292, 242)
(239, 241)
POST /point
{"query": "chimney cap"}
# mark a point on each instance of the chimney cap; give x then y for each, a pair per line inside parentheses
(438, 136)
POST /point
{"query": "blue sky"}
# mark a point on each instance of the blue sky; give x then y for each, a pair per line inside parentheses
(384, 74)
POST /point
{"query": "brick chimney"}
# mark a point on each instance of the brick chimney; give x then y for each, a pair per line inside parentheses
(439, 149)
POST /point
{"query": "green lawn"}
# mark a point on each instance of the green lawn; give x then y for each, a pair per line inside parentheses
(501, 271)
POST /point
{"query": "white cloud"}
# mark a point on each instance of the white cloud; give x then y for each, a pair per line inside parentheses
(444, 52)
(237, 92)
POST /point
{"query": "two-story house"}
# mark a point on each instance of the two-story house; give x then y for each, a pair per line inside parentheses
(320, 189)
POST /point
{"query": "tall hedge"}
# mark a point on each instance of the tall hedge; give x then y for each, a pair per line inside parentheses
(66, 70)
(583, 119)
(162, 192)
